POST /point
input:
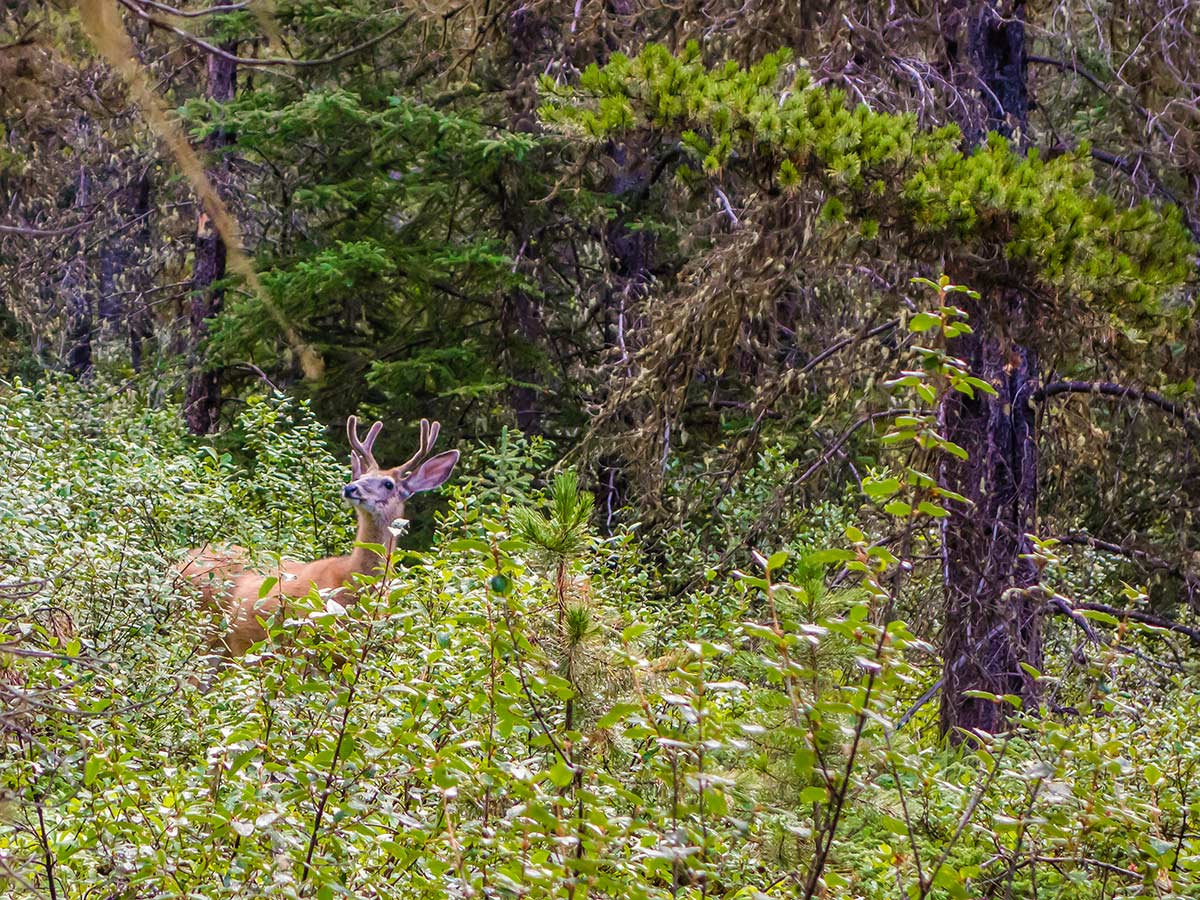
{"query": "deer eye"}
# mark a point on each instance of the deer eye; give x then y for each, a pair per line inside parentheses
(388, 484)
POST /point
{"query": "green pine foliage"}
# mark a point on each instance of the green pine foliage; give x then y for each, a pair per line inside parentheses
(385, 255)
(917, 189)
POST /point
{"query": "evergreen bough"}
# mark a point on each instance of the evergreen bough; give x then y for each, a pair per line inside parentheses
(892, 180)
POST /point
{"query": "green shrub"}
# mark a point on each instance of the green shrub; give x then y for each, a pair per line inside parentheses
(514, 712)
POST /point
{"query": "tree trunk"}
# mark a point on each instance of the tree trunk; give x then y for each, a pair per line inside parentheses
(203, 400)
(119, 309)
(138, 320)
(78, 295)
(992, 623)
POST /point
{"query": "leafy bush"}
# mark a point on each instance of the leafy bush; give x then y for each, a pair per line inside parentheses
(515, 712)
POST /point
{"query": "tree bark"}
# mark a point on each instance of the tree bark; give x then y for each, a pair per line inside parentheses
(75, 286)
(992, 622)
(203, 399)
(138, 320)
(118, 311)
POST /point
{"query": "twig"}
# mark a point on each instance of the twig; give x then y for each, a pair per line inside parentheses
(1146, 618)
(724, 203)
(259, 62)
(921, 701)
(262, 376)
(26, 231)
(195, 13)
(1190, 579)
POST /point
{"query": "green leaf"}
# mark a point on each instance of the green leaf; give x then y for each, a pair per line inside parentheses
(814, 794)
(831, 555)
(924, 322)
(618, 712)
(560, 774)
(631, 633)
(883, 487)
(470, 545)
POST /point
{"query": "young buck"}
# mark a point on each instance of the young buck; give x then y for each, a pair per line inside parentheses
(229, 585)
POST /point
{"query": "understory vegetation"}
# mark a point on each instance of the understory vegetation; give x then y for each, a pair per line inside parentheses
(814, 513)
(529, 707)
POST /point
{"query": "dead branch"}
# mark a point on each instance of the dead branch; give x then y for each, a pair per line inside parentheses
(1137, 615)
(1149, 560)
(135, 7)
(1186, 418)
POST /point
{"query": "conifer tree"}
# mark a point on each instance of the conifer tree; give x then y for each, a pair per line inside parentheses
(1046, 249)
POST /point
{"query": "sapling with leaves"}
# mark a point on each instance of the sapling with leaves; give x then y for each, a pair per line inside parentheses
(563, 535)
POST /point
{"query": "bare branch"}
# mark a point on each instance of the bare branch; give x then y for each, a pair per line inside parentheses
(195, 13)
(1191, 579)
(1186, 418)
(1072, 66)
(1137, 615)
(135, 7)
(26, 231)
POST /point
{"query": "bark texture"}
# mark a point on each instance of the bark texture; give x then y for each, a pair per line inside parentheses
(76, 287)
(203, 401)
(992, 620)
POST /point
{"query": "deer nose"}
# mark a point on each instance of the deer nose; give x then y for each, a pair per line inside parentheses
(350, 491)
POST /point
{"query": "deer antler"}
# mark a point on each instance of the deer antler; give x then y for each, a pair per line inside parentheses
(429, 435)
(361, 457)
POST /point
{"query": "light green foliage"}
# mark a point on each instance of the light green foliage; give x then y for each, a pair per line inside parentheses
(517, 711)
(563, 533)
(880, 171)
(100, 493)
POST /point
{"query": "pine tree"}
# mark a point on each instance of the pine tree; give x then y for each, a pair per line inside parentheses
(1051, 255)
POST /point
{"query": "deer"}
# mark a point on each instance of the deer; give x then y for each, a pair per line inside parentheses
(230, 585)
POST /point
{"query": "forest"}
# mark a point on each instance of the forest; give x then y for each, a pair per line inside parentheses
(802, 495)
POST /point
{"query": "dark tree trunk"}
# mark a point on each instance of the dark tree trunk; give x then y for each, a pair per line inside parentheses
(523, 329)
(521, 320)
(985, 62)
(203, 400)
(119, 307)
(138, 319)
(992, 623)
(78, 294)
(630, 251)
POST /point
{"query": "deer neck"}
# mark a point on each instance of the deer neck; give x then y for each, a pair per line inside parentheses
(371, 530)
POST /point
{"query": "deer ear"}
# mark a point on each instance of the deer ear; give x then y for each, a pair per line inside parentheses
(433, 472)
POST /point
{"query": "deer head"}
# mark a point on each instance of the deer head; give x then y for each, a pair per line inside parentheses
(382, 492)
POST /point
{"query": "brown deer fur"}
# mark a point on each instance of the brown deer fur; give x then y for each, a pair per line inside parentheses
(227, 584)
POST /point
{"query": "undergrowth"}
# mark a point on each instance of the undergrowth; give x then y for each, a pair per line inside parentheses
(517, 710)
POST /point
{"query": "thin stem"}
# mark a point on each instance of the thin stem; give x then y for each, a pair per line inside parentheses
(47, 855)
